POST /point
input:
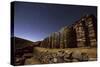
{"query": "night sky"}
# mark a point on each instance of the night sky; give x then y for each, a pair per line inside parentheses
(35, 21)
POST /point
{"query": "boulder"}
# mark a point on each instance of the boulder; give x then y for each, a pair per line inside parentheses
(77, 55)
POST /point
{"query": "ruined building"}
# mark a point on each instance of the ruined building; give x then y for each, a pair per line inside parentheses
(86, 31)
(83, 33)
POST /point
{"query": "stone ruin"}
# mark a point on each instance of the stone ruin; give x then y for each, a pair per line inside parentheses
(83, 33)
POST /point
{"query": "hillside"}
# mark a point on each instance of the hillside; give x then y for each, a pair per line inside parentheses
(20, 43)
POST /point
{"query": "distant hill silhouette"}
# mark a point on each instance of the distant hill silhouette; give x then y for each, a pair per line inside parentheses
(20, 43)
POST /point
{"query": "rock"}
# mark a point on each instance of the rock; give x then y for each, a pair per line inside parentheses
(66, 57)
(54, 60)
(17, 60)
(92, 59)
(27, 55)
(67, 54)
(75, 60)
(50, 62)
(60, 53)
(54, 54)
(77, 55)
(60, 59)
(67, 60)
(85, 57)
(20, 61)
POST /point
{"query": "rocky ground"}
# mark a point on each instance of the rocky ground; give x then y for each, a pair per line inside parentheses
(49, 56)
(65, 55)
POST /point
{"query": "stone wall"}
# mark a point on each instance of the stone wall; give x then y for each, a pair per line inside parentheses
(86, 31)
(83, 33)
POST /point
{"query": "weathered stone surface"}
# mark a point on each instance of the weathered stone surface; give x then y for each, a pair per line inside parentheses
(67, 60)
(20, 60)
(27, 55)
(55, 60)
(92, 59)
(77, 55)
(75, 60)
(84, 56)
